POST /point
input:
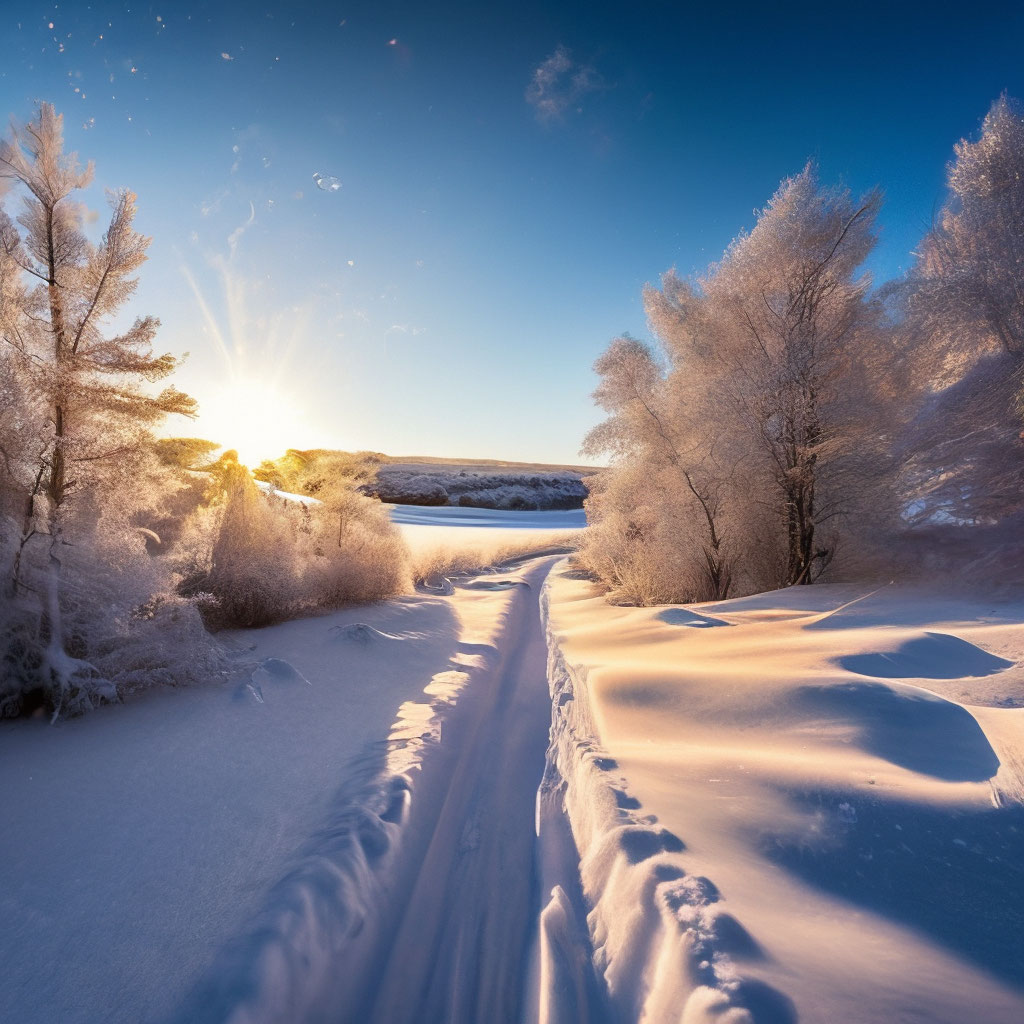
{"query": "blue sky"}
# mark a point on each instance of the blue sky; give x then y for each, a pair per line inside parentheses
(511, 176)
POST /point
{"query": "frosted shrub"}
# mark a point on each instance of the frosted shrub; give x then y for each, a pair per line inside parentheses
(254, 559)
(123, 627)
(253, 577)
(430, 566)
(357, 553)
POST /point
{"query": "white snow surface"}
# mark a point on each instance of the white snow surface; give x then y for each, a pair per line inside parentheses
(429, 526)
(802, 806)
(140, 839)
(214, 854)
(813, 815)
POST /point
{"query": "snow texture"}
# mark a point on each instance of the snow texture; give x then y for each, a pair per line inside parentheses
(765, 832)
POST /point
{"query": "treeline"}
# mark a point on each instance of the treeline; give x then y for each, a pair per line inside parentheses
(795, 423)
(118, 550)
(521, 492)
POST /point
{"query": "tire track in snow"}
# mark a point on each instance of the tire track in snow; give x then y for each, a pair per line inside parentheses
(459, 952)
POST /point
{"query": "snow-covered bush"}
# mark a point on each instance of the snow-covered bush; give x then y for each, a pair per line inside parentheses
(358, 554)
(123, 628)
(430, 566)
(251, 558)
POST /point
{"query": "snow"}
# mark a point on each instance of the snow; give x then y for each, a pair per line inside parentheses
(770, 827)
(213, 853)
(805, 805)
(487, 518)
(425, 526)
(140, 839)
(301, 499)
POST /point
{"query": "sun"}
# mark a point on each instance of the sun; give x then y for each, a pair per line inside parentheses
(255, 418)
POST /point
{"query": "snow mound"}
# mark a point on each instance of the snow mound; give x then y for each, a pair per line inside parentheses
(907, 726)
(275, 670)
(361, 632)
(932, 656)
(686, 617)
(491, 584)
(661, 945)
(248, 691)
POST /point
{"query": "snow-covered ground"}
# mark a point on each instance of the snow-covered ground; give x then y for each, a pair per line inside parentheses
(139, 840)
(487, 518)
(425, 526)
(215, 853)
(805, 805)
(802, 806)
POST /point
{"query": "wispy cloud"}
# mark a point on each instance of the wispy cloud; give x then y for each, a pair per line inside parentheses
(558, 84)
(240, 230)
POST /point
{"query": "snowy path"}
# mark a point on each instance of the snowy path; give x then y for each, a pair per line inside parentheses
(458, 953)
(350, 837)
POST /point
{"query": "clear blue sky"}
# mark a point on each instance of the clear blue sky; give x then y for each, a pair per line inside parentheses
(493, 229)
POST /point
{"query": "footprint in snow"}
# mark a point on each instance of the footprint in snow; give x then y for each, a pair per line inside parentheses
(246, 691)
(494, 584)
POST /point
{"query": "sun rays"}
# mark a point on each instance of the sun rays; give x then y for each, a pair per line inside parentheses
(249, 405)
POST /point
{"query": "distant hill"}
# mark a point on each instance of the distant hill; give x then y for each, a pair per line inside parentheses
(480, 484)
(429, 480)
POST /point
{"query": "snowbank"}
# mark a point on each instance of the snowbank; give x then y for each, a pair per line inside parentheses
(769, 827)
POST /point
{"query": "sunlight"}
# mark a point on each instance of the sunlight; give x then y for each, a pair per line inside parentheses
(254, 417)
(250, 412)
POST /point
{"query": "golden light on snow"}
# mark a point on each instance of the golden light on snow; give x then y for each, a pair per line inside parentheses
(254, 417)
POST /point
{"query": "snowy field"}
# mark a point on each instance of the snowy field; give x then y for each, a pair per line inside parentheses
(444, 526)
(806, 803)
(801, 806)
(487, 518)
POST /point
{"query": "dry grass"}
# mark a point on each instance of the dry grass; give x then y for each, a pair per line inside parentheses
(431, 565)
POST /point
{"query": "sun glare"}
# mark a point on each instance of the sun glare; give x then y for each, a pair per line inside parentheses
(255, 418)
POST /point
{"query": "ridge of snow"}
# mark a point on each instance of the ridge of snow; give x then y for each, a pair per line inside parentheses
(658, 935)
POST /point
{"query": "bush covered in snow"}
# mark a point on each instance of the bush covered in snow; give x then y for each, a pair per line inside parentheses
(252, 558)
(122, 627)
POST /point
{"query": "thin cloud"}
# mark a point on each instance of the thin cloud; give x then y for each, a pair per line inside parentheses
(559, 84)
(240, 230)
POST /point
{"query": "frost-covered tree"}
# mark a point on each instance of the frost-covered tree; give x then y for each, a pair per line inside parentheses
(787, 314)
(653, 424)
(774, 414)
(85, 407)
(963, 329)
